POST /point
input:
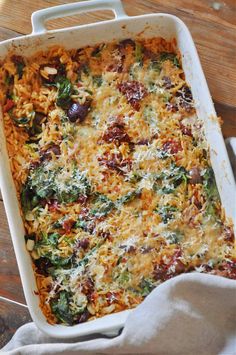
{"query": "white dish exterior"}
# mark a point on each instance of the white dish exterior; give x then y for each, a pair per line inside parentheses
(122, 27)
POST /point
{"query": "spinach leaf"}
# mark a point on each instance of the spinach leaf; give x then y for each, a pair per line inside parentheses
(138, 53)
(28, 199)
(70, 191)
(168, 189)
(130, 196)
(84, 69)
(48, 239)
(209, 184)
(170, 179)
(57, 260)
(9, 79)
(166, 212)
(146, 286)
(124, 277)
(173, 237)
(81, 224)
(19, 68)
(60, 308)
(45, 184)
(64, 92)
(97, 80)
(170, 56)
(102, 206)
(175, 175)
(155, 65)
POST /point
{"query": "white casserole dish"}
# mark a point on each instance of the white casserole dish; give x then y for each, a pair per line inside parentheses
(121, 27)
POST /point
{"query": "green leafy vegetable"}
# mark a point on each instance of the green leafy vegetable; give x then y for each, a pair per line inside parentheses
(64, 92)
(209, 184)
(48, 239)
(167, 181)
(138, 53)
(81, 224)
(102, 206)
(155, 65)
(28, 199)
(60, 308)
(130, 196)
(168, 189)
(173, 237)
(97, 80)
(169, 56)
(212, 194)
(45, 184)
(166, 212)
(124, 277)
(9, 79)
(146, 286)
(19, 68)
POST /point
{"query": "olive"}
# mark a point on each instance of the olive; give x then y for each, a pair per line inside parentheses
(195, 176)
(84, 243)
(78, 112)
(38, 118)
(47, 154)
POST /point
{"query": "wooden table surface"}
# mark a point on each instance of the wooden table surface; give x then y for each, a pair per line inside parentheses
(213, 27)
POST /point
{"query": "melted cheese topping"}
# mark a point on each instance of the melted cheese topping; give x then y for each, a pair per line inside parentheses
(113, 175)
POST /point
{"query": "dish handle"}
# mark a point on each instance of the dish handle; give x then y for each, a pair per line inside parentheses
(39, 17)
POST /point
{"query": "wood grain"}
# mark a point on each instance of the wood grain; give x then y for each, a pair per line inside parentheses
(12, 316)
(10, 283)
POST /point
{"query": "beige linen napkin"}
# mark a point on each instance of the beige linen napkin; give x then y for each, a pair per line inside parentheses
(189, 314)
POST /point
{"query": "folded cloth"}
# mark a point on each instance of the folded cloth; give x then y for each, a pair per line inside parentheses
(189, 314)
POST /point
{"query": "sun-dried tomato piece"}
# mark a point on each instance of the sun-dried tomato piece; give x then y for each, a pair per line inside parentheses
(88, 288)
(167, 82)
(172, 146)
(83, 243)
(116, 133)
(228, 234)
(116, 67)
(186, 130)
(82, 199)
(105, 235)
(134, 92)
(185, 98)
(172, 107)
(8, 105)
(227, 269)
(68, 224)
(53, 205)
(174, 267)
(116, 162)
(112, 297)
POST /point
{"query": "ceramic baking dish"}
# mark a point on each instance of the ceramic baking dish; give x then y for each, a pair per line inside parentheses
(121, 27)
